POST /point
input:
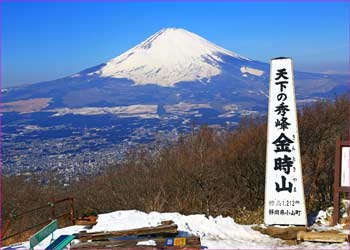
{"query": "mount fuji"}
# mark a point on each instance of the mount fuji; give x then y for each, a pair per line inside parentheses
(168, 57)
(170, 67)
(162, 85)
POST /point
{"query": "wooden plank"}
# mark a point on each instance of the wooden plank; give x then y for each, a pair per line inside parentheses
(142, 248)
(85, 222)
(160, 242)
(167, 222)
(284, 233)
(331, 237)
(162, 229)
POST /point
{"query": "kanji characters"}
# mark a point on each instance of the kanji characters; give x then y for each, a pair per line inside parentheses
(284, 164)
(283, 186)
(282, 109)
(282, 123)
(282, 85)
(281, 73)
(281, 97)
(282, 143)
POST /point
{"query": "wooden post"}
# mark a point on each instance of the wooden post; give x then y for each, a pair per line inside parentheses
(52, 204)
(336, 183)
(72, 215)
(337, 179)
(6, 227)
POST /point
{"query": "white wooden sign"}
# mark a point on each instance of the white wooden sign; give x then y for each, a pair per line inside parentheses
(345, 165)
(284, 191)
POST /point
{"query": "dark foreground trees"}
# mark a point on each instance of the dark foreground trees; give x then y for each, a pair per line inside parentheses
(207, 171)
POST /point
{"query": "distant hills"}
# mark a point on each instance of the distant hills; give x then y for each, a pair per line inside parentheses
(165, 83)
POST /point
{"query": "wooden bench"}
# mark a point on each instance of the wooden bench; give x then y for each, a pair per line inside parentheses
(58, 244)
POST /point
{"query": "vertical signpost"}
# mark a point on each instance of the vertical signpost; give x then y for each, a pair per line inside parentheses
(284, 191)
(341, 175)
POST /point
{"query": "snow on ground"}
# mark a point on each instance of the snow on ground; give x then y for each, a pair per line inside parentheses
(323, 220)
(138, 110)
(42, 245)
(185, 108)
(215, 233)
(323, 217)
(210, 230)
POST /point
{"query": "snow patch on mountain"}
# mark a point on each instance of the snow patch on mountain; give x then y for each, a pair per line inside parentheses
(256, 72)
(141, 111)
(168, 57)
(183, 107)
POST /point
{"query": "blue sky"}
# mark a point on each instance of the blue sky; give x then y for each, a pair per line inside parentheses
(44, 41)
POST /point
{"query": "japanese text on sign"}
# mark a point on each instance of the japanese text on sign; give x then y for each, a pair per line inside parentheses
(284, 192)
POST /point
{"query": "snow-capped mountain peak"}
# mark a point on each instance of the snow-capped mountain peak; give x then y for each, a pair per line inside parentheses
(169, 56)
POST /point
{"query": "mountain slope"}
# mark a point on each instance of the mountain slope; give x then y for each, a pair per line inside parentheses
(167, 57)
(160, 87)
(190, 65)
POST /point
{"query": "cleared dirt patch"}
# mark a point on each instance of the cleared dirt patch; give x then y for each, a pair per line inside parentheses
(26, 106)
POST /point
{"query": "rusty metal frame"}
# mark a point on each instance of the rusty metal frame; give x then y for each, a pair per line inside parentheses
(70, 214)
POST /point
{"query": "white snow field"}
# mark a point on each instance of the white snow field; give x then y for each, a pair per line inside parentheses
(171, 55)
(137, 110)
(251, 71)
(215, 233)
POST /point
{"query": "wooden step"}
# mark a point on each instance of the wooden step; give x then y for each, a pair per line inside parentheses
(284, 233)
(331, 237)
(161, 243)
(165, 230)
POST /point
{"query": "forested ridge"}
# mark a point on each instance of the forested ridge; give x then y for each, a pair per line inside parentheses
(208, 171)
